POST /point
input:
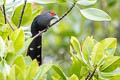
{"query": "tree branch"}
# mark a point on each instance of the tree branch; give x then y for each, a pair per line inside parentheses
(89, 76)
(7, 19)
(4, 12)
(65, 14)
(22, 12)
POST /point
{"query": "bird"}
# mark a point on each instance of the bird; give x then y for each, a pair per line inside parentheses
(39, 23)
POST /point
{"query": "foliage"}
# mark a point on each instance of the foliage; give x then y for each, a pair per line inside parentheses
(86, 56)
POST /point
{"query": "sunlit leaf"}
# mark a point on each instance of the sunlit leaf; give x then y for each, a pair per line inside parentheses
(18, 39)
(2, 47)
(95, 14)
(97, 54)
(1, 2)
(18, 73)
(24, 49)
(86, 2)
(73, 77)
(110, 63)
(11, 75)
(26, 17)
(61, 74)
(44, 2)
(75, 43)
(19, 61)
(87, 48)
(42, 71)
(32, 70)
(2, 76)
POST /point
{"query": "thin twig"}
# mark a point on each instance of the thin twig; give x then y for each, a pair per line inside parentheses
(7, 19)
(65, 14)
(4, 13)
(89, 76)
(22, 12)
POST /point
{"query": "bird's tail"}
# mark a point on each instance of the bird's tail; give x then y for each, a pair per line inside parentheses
(35, 49)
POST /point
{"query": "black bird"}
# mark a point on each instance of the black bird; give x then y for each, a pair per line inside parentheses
(40, 23)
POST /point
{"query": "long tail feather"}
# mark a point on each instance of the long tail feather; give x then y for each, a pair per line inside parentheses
(35, 49)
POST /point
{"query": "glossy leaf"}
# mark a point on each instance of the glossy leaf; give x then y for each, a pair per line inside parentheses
(32, 70)
(73, 77)
(45, 1)
(19, 61)
(109, 43)
(11, 75)
(24, 49)
(110, 63)
(26, 17)
(61, 74)
(42, 71)
(18, 39)
(2, 47)
(18, 73)
(95, 14)
(87, 47)
(75, 43)
(2, 21)
(97, 54)
(86, 2)
(2, 76)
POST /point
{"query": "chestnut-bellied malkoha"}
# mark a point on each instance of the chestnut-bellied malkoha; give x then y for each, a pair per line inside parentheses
(40, 23)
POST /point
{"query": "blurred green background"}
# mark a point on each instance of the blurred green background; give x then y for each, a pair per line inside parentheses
(56, 40)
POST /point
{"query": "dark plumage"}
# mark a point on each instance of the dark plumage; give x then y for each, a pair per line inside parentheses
(39, 23)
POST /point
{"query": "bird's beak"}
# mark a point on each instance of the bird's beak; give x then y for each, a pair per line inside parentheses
(56, 17)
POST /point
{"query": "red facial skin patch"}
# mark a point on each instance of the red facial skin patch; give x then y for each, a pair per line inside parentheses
(52, 13)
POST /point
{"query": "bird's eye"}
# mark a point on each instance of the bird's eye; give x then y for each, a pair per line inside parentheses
(52, 13)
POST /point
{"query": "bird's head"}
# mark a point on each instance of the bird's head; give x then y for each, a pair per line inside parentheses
(53, 14)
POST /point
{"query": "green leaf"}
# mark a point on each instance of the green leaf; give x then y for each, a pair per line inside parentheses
(32, 70)
(18, 39)
(42, 70)
(4, 68)
(87, 47)
(1, 2)
(19, 61)
(95, 14)
(110, 45)
(61, 1)
(45, 1)
(2, 76)
(2, 20)
(10, 56)
(97, 54)
(18, 73)
(61, 74)
(76, 67)
(11, 75)
(73, 77)
(24, 49)
(2, 47)
(4, 31)
(75, 43)
(110, 63)
(86, 2)
(26, 17)
(110, 75)
(28, 60)
(36, 11)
